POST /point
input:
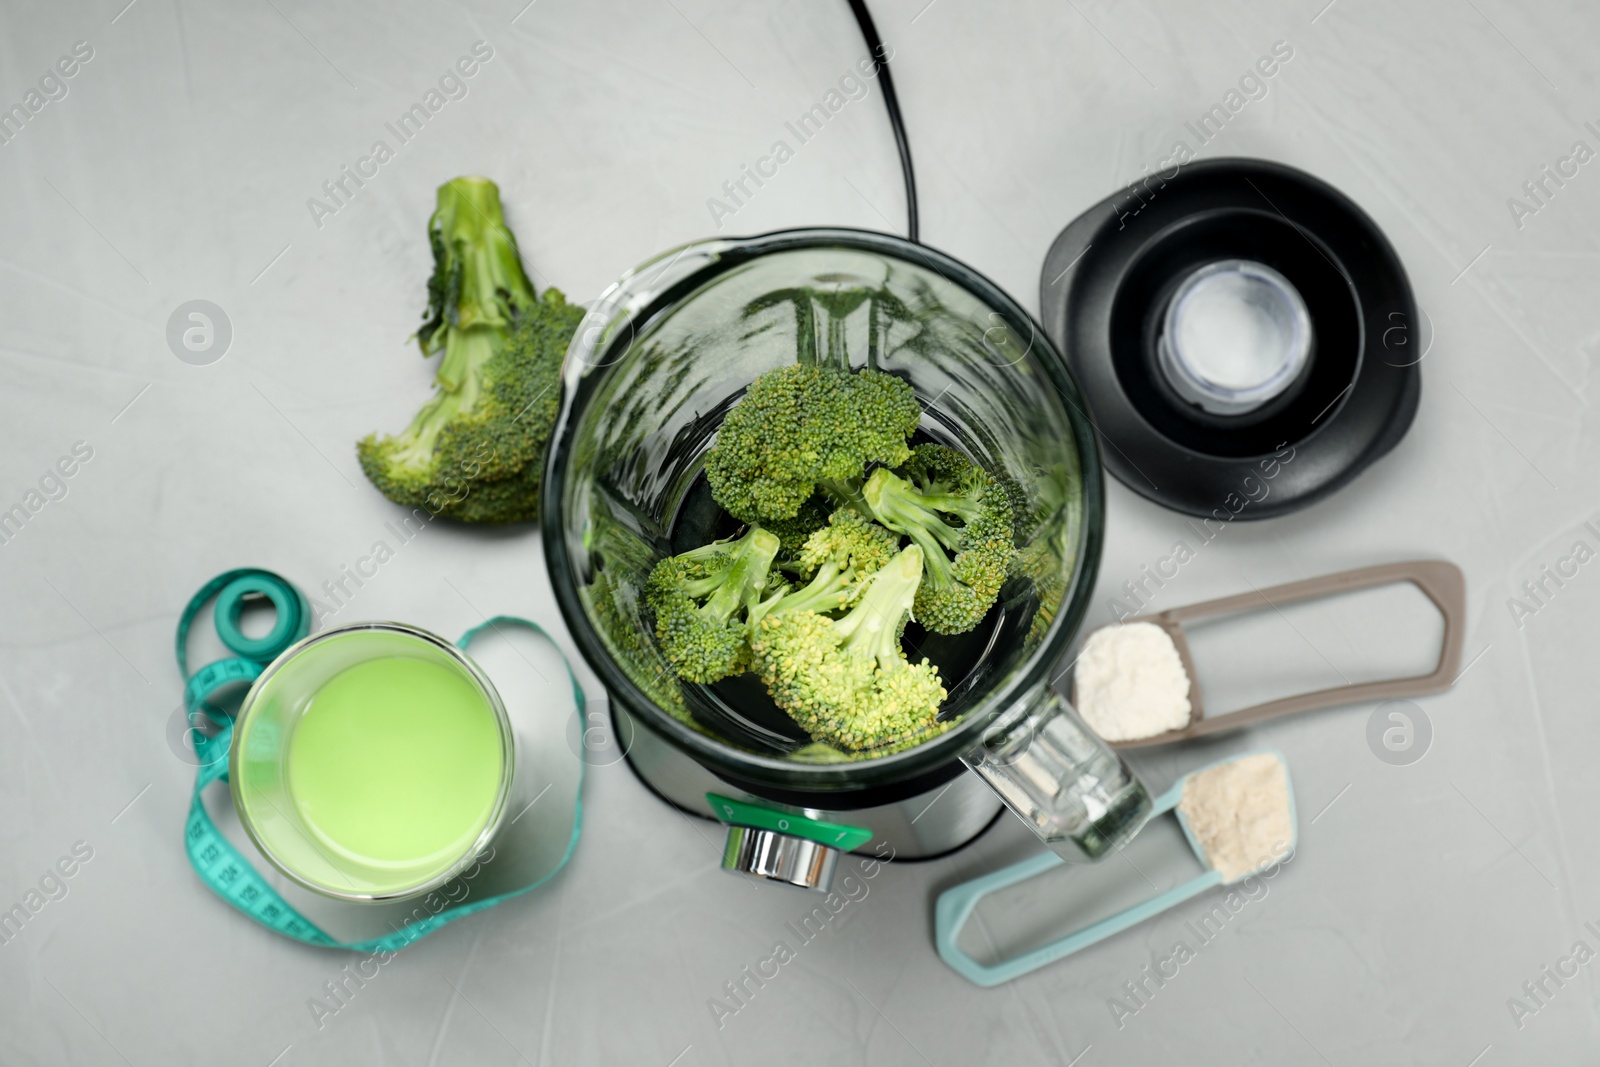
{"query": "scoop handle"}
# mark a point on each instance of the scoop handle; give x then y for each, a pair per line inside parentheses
(956, 905)
(1439, 580)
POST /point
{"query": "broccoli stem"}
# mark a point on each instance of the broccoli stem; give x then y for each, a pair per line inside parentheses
(464, 349)
(821, 594)
(964, 508)
(940, 572)
(415, 448)
(873, 626)
(898, 505)
(745, 577)
(477, 282)
(843, 491)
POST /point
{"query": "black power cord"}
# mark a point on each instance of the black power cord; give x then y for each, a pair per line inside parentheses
(869, 33)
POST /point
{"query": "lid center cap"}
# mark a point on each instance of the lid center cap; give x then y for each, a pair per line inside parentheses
(1236, 333)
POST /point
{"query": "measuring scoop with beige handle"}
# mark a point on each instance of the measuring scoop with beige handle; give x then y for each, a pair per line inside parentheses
(1439, 580)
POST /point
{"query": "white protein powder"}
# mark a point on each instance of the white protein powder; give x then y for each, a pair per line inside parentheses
(1130, 683)
(1239, 812)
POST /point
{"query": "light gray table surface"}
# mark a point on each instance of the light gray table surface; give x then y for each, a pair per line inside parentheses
(178, 166)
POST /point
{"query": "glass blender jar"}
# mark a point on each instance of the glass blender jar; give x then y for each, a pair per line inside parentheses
(661, 358)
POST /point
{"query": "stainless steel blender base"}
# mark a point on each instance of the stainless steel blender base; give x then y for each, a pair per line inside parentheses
(928, 824)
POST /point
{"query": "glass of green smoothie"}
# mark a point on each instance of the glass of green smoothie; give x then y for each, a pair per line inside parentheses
(371, 762)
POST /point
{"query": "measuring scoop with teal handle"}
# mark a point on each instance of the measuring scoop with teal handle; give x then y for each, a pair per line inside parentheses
(957, 904)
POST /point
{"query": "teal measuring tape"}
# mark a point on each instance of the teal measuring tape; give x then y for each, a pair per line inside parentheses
(221, 866)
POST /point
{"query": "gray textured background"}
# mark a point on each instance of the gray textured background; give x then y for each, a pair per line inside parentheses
(178, 167)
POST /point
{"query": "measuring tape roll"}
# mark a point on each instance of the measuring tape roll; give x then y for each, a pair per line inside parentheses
(219, 864)
(279, 590)
(293, 622)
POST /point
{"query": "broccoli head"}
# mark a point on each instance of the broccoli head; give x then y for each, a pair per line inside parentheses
(475, 450)
(805, 427)
(850, 542)
(948, 504)
(845, 681)
(702, 599)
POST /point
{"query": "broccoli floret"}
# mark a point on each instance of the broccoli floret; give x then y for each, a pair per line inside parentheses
(846, 682)
(701, 601)
(958, 593)
(849, 540)
(498, 383)
(803, 427)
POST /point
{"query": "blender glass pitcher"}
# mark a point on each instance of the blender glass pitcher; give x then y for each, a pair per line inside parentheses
(659, 361)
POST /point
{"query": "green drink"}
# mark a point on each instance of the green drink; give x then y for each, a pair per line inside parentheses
(396, 759)
(371, 762)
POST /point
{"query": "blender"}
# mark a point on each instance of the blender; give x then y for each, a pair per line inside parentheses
(662, 357)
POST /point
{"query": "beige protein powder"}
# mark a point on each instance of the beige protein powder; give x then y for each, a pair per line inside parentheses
(1239, 812)
(1129, 682)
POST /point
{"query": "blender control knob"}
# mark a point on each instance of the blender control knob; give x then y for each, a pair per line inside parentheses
(778, 857)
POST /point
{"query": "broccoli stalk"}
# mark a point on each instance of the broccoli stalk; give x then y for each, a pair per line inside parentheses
(477, 284)
(701, 599)
(846, 682)
(475, 449)
(957, 593)
(873, 627)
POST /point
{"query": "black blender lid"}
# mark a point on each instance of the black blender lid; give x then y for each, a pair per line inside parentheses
(1109, 282)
